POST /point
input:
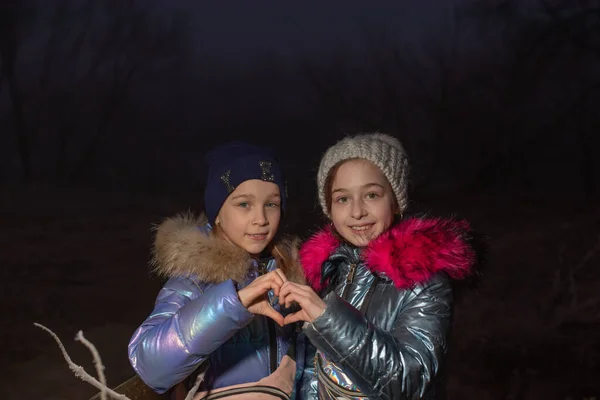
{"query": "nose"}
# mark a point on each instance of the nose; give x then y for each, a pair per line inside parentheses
(260, 217)
(358, 209)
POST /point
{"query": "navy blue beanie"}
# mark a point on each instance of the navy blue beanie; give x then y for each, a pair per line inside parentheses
(233, 163)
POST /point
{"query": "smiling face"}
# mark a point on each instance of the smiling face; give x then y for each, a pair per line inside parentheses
(362, 201)
(250, 216)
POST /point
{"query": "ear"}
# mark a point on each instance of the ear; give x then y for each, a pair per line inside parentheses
(217, 221)
(397, 209)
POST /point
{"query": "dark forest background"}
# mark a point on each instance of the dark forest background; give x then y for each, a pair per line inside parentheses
(107, 107)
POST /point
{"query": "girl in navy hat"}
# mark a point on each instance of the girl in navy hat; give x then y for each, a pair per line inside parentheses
(216, 321)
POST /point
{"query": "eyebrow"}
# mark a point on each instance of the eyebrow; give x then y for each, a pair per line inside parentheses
(251, 196)
(243, 195)
(362, 187)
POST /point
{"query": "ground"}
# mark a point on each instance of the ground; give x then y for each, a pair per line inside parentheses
(78, 260)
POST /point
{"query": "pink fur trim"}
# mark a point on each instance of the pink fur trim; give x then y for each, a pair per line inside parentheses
(314, 253)
(409, 253)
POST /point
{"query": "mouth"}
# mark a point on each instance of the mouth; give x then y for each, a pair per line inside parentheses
(361, 228)
(257, 236)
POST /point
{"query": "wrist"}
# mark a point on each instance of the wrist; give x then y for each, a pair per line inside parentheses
(242, 297)
(323, 308)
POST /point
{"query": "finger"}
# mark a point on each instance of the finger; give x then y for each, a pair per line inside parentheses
(297, 297)
(260, 288)
(276, 281)
(283, 300)
(285, 291)
(281, 274)
(286, 288)
(270, 312)
(271, 281)
(295, 317)
(304, 289)
(290, 286)
(292, 292)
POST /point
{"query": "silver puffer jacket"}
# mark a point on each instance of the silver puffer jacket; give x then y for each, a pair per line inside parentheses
(384, 332)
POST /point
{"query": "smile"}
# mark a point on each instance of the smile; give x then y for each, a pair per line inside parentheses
(361, 227)
(257, 236)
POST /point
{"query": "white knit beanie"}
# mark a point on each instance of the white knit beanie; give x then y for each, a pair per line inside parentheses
(385, 151)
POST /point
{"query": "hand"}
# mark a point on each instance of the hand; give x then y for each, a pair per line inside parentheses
(254, 296)
(311, 303)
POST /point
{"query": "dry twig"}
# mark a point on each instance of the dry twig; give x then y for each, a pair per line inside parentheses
(101, 385)
(80, 372)
(97, 363)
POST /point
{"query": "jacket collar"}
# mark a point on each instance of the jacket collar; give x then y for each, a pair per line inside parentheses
(409, 253)
(184, 245)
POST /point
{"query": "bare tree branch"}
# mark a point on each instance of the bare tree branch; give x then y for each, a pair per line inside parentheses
(79, 371)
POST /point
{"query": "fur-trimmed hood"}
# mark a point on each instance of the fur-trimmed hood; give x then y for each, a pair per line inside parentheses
(185, 246)
(411, 252)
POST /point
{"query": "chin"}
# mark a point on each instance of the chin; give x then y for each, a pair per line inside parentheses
(355, 240)
(360, 241)
(255, 249)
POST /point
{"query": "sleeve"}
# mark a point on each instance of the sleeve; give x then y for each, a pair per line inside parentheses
(185, 327)
(398, 363)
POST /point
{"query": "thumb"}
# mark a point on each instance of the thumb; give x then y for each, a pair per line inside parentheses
(270, 312)
(252, 292)
(295, 317)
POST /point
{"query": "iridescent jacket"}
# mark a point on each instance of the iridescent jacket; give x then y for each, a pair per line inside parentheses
(384, 332)
(197, 315)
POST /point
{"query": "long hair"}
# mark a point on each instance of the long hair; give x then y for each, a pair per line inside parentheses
(282, 248)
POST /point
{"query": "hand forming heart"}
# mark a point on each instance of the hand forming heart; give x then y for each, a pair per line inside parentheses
(254, 296)
(310, 302)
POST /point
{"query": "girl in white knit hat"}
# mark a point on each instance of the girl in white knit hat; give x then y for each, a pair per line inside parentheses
(379, 304)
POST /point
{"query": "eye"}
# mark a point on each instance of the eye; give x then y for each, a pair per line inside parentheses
(372, 195)
(273, 205)
(244, 204)
(342, 199)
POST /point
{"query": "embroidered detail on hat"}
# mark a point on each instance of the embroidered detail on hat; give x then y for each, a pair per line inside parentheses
(225, 179)
(265, 167)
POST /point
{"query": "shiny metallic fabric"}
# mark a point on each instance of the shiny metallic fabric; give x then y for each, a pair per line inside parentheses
(167, 348)
(394, 349)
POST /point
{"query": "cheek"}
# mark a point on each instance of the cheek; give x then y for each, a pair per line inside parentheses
(232, 226)
(274, 214)
(274, 222)
(338, 223)
(336, 216)
(389, 217)
(385, 214)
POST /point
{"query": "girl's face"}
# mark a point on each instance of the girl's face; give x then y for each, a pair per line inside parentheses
(250, 216)
(362, 202)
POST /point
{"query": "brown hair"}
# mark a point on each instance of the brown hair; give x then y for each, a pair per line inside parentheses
(329, 184)
(285, 254)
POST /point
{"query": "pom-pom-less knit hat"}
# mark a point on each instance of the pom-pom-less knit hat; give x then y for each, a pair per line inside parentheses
(385, 151)
(233, 163)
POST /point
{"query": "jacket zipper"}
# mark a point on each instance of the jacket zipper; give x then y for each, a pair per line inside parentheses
(263, 269)
(272, 345)
(349, 279)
